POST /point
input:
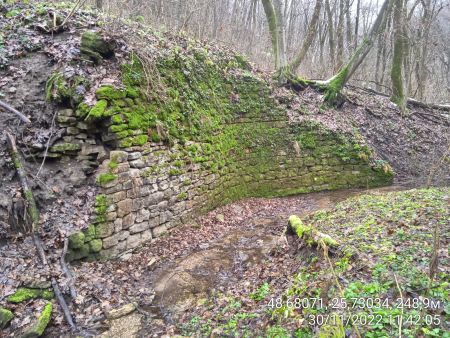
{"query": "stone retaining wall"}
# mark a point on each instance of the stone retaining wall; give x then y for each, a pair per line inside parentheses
(154, 187)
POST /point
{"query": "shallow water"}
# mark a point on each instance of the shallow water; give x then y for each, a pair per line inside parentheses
(180, 284)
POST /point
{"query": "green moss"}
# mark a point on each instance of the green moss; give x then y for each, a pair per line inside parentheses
(297, 225)
(76, 240)
(117, 119)
(113, 163)
(104, 179)
(109, 93)
(43, 319)
(139, 140)
(174, 172)
(155, 136)
(95, 245)
(23, 294)
(334, 87)
(101, 205)
(182, 196)
(98, 110)
(65, 147)
(5, 317)
(307, 140)
(90, 233)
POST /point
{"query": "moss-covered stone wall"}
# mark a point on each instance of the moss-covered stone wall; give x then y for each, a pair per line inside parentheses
(208, 133)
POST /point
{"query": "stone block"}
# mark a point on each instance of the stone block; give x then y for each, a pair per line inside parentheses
(105, 229)
(159, 231)
(111, 216)
(124, 207)
(146, 236)
(133, 241)
(118, 156)
(118, 225)
(139, 227)
(142, 215)
(119, 196)
(128, 220)
(134, 156)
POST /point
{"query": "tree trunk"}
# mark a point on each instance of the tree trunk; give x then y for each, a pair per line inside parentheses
(340, 37)
(272, 9)
(398, 92)
(310, 34)
(334, 85)
(330, 32)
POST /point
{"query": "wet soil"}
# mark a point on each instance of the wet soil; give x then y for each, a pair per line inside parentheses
(215, 265)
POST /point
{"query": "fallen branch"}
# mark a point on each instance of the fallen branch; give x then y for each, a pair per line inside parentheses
(15, 111)
(34, 216)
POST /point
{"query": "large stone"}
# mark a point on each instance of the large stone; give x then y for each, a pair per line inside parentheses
(105, 230)
(96, 47)
(124, 207)
(133, 241)
(119, 196)
(118, 156)
(128, 220)
(122, 311)
(76, 240)
(159, 231)
(139, 227)
(143, 215)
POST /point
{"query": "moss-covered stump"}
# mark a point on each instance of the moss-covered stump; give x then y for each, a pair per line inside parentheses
(6, 316)
(37, 328)
(24, 294)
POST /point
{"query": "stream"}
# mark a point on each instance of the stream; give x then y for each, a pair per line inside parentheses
(180, 283)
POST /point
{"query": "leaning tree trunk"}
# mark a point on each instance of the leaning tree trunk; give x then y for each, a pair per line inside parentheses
(334, 85)
(310, 34)
(398, 91)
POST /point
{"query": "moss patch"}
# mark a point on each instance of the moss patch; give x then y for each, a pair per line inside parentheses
(6, 316)
(23, 294)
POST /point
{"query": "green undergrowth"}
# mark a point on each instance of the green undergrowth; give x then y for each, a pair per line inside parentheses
(378, 277)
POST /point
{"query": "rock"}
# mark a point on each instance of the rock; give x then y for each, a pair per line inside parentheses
(124, 207)
(139, 227)
(38, 284)
(124, 327)
(220, 218)
(5, 317)
(159, 231)
(95, 245)
(105, 230)
(118, 156)
(122, 311)
(95, 47)
(128, 221)
(76, 240)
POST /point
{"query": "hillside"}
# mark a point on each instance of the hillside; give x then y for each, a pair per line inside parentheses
(137, 137)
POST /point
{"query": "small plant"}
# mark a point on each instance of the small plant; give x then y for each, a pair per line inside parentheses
(261, 292)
